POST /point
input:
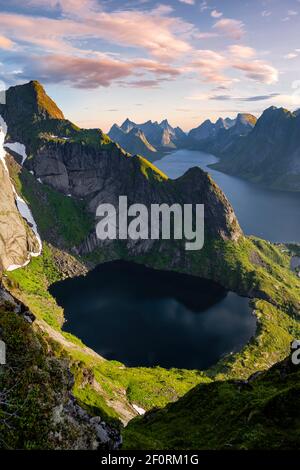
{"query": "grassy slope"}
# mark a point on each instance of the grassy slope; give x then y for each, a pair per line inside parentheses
(262, 414)
(29, 394)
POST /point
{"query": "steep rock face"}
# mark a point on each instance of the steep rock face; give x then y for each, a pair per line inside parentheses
(270, 153)
(17, 239)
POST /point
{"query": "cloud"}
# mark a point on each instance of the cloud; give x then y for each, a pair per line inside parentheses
(244, 99)
(292, 13)
(64, 46)
(231, 28)
(93, 72)
(188, 2)
(291, 55)
(266, 13)
(258, 70)
(6, 43)
(141, 84)
(205, 35)
(163, 36)
(80, 72)
(216, 14)
(157, 68)
(242, 52)
(203, 6)
(212, 66)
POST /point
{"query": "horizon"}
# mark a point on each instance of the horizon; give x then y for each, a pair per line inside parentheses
(182, 60)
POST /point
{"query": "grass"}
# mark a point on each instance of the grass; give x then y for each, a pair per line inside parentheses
(226, 415)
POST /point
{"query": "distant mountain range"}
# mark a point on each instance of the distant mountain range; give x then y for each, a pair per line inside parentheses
(153, 139)
(264, 150)
(269, 154)
(150, 139)
(216, 137)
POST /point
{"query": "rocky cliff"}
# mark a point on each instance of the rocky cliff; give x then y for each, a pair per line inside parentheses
(16, 236)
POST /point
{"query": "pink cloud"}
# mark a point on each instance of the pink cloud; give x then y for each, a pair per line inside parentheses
(93, 72)
(259, 71)
(162, 35)
(78, 71)
(212, 66)
(6, 43)
(242, 52)
(231, 28)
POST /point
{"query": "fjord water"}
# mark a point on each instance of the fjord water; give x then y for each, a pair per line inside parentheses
(268, 214)
(144, 317)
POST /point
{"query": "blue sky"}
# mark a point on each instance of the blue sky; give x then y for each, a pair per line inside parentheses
(187, 60)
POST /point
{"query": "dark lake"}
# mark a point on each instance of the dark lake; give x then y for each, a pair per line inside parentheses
(144, 317)
(272, 215)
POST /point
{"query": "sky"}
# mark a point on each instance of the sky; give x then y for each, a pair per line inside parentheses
(185, 60)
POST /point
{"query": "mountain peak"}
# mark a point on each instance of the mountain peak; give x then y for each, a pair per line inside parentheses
(127, 125)
(29, 102)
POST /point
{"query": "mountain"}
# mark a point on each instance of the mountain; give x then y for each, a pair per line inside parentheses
(270, 153)
(208, 130)
(133, 141)
(161, 137)
(215, 138)
(54, 176)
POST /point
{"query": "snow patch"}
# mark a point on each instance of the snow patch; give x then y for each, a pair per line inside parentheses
(27, 214)
(18, 148)
(140, 410)
(3, 132)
